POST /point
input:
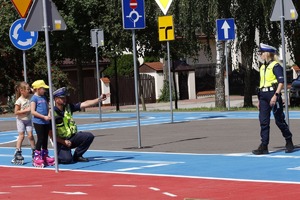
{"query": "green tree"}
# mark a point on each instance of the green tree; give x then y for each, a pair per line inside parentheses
(124, 66)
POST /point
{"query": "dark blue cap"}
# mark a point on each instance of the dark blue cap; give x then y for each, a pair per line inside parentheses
(61, 92)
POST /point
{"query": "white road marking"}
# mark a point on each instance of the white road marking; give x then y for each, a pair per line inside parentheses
(69, 193)
(169, 194)
(79, 185)
(294, 168)
(4, 192)
(154, 163)
(154, 188)
(25, 186)
(129, 186)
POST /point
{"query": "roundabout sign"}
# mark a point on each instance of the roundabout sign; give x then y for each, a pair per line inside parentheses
(20, 38)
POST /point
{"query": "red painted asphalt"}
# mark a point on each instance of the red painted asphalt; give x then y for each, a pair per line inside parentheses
(25, 183)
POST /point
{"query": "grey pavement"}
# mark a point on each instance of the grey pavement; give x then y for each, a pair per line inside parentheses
(199, 136)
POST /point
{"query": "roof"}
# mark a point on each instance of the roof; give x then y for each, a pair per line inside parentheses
(157, 66)
(151, 67)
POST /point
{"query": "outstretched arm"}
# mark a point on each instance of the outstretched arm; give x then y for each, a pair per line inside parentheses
(89, 103)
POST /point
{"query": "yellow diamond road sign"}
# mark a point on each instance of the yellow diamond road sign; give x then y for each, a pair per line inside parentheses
(166, 28)
(22, 6)
(164, 5)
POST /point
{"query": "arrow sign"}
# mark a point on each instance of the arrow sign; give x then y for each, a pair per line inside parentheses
(225, 29)
(22, 6)
(164, 5)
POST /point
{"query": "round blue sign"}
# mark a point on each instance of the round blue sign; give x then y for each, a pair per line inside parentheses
(21, 39)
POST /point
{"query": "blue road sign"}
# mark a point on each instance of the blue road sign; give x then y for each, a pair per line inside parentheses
(21, 39)
(133, 14)
(225, 29)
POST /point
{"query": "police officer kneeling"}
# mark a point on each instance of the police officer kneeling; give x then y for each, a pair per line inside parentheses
(269, 95)
(66, 129)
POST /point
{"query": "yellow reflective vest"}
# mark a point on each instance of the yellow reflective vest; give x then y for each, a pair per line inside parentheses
(67, 127)
(267, 77)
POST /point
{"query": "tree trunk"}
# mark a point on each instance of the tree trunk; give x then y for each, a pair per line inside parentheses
(141, 93)
(79, 81)
(247, 57)
(219, 85)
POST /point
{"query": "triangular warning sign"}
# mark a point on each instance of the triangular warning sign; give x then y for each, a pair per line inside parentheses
(164, 5)
(22, 6)
(35, 19)
(290, 12)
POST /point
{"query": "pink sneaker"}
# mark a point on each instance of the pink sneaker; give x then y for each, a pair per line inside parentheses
(37, 160)
(48, 161)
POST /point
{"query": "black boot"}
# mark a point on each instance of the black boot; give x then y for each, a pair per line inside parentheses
(262, 149)
(289, 146)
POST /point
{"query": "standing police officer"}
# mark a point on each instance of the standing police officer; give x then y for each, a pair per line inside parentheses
(66, 129)
(269, 95)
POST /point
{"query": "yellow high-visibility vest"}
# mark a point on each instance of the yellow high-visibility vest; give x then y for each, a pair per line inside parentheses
(267, 77)
(67, 127)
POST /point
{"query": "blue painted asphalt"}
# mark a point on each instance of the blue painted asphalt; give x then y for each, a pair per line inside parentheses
(274, 167)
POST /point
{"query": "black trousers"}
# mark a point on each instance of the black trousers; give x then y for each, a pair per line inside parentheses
(42, 131)
(265, 114)
(81, 141)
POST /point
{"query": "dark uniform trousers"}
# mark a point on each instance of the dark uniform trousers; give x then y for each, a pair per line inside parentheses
(81, 141)
(264, 117)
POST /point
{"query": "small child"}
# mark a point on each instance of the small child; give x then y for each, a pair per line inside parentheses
(41, 121)
(24, 123)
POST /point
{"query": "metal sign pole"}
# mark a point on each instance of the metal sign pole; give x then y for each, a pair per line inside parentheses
(227, 76)
(284, 63)
(136, 89)
(170, 81)
(46, 29)
(24, 66)
(98, 76)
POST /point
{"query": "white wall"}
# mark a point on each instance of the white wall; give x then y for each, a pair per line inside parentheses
(192, 85)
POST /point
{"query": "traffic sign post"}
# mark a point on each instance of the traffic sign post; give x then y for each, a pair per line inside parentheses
(166, 33)
(133, 13)
(284, 10)
(97, 39)
(44, 16)
(225, 32)
(22, 40)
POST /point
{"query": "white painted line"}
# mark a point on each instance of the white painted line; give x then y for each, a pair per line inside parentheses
(128, 169)
(25, 186)
(153, 188)
(156, 165)
(130, 186)
(294, 168)
(169, 194)
(69, 193)
(78, 185)
(4, 192)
